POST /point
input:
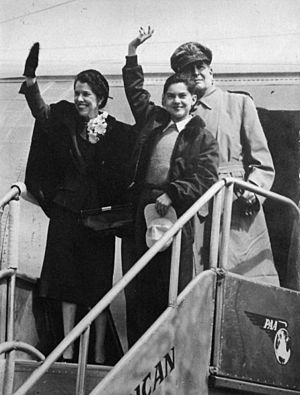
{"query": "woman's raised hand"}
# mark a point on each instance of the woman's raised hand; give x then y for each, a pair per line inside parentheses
(143, 35)
(32, 61)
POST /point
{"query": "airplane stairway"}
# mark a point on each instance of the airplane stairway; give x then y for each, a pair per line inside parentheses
(162, 357)
(223, 334)
(60, 379)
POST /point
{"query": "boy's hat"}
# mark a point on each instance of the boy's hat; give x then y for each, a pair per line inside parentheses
(157, 226)
(188, 53)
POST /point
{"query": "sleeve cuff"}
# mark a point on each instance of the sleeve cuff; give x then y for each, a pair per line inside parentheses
(25, 89)
(131, 61)
(169, 191)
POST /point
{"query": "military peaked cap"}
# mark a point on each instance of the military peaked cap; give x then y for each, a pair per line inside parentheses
(188, 53)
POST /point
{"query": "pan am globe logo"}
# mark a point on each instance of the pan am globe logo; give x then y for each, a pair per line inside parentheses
(282, 346)
(276, 329)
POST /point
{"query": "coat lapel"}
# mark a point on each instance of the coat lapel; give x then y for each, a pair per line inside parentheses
(191, 129)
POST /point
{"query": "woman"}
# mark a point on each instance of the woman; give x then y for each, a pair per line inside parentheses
(232, 119)
(77, 161)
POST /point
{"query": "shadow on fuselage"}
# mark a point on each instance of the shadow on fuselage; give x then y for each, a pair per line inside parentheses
(282, 130)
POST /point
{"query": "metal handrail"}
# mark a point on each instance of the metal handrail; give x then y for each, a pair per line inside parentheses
(11, 198)
(118, 287)
(263, 192)
(16, 190)
(84, 324)
(6, 273)
(22, 346)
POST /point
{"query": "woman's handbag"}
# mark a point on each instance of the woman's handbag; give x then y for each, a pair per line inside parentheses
(110, 220)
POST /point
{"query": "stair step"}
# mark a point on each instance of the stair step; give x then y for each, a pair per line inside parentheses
(60, 379)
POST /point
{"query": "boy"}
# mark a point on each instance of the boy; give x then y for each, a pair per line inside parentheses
(175, 162)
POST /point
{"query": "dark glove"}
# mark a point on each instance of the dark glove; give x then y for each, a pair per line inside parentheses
(32, 61)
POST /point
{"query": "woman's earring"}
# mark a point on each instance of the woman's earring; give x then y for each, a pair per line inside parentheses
(99, 104)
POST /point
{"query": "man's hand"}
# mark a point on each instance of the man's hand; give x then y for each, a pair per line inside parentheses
(162, 204)
(248, 202)
(142, 36)
(249, 197)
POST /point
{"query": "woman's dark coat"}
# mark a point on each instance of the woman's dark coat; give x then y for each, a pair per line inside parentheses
(56, 170)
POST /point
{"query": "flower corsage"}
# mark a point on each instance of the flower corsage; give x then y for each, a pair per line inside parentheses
(97, 127)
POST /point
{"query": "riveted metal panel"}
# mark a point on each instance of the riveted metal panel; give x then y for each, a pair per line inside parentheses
(173, 355)
(258, 335)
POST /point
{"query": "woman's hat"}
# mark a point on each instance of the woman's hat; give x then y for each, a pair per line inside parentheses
(157, 225)
(188, 53)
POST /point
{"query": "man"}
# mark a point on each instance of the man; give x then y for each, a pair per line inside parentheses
(232, 119)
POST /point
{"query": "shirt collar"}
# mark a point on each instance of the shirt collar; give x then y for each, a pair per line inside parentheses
(179, 125)
(205, 99)
(182, 124)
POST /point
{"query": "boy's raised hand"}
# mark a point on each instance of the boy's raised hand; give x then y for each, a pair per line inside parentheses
(142, 36)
